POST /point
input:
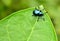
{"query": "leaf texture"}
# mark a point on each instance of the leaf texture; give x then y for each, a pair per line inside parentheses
(22, 26)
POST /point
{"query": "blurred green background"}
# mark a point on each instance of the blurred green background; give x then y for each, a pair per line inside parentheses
(52, 6)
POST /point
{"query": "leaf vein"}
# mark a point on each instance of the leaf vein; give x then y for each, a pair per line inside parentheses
(32, 30)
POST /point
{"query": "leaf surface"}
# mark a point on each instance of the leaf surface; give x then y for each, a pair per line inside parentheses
(22, 26)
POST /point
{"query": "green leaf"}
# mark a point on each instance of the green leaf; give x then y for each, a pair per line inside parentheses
(22, 26)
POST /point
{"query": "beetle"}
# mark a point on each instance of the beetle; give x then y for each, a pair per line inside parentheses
(38, 13)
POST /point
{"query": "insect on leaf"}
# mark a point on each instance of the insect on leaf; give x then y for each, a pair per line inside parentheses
(22, 26)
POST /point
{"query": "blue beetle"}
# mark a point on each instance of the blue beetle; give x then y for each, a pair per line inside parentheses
(38, 13)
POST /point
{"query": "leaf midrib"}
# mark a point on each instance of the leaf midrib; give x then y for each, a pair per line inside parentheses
(32, 30)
